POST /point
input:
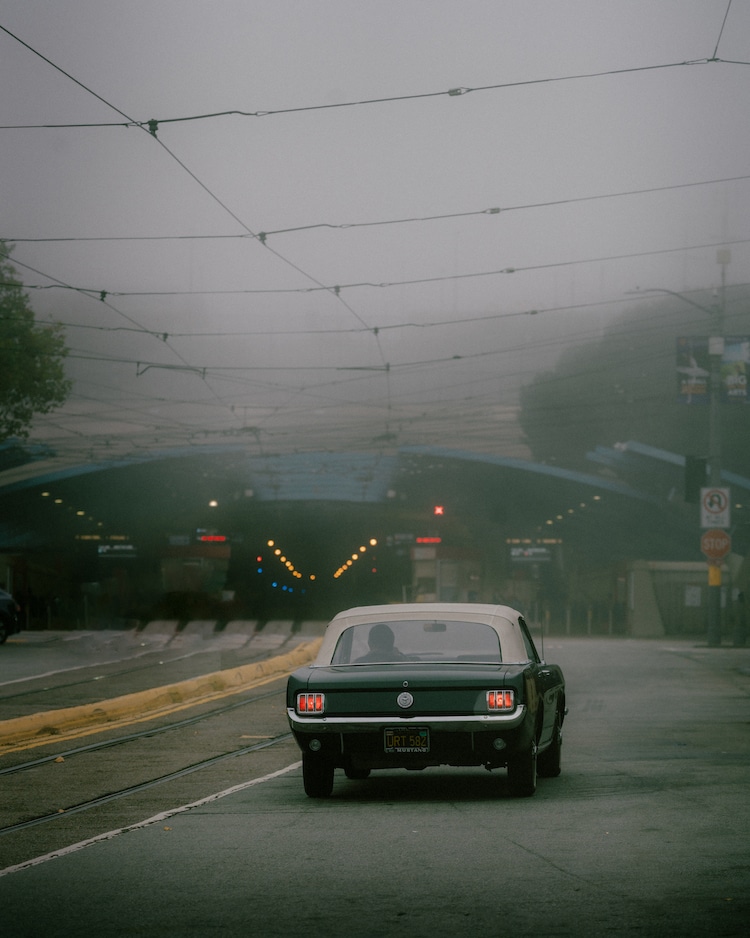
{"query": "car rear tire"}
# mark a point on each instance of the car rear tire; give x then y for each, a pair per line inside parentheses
(522, 773)
(548, 764)
(4, 631)
(317, 775)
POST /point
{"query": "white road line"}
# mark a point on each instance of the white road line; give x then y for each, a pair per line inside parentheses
(110, 835)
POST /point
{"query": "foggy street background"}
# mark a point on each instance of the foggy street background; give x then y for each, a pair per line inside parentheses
(347, 224)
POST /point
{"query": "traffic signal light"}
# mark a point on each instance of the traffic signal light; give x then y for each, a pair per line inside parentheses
(695, 477)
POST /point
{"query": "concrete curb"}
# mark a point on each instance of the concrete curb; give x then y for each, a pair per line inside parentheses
(55, 723)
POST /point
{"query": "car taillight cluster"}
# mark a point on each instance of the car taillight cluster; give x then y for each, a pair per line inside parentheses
(500, 700)
(311, 703)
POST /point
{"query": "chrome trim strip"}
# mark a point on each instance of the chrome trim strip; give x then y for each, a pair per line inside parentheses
(468, 724)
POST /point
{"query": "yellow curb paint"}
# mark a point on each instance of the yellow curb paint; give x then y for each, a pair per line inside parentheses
(41, 729)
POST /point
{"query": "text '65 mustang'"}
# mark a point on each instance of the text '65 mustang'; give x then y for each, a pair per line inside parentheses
(419, 684)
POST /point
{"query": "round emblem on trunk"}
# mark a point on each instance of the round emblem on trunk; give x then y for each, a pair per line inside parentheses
(405, 700)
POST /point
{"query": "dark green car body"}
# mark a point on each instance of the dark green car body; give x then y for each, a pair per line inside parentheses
(411, 714)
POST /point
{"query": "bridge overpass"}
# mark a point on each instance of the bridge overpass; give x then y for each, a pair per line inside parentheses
(517, 519)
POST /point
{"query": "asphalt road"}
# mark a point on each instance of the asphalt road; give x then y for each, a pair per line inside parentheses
(646, 832)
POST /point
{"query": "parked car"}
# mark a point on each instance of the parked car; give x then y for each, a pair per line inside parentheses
(414, 685)
(10, 616)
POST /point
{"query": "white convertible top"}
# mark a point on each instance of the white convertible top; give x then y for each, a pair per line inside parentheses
(503, 619)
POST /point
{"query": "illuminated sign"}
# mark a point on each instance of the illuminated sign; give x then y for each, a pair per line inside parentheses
(119, 551)
(530, 554)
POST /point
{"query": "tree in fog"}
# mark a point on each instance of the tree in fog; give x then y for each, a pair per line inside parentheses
(32, 375)
(623, 386)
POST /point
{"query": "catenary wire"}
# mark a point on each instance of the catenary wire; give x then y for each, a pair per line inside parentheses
(383, 222)
(95, 292)
(151, 125)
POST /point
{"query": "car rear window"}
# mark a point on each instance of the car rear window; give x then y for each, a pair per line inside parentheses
(418, 640)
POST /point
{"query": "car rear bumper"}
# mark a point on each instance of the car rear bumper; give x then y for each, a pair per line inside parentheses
(453, 724)
(366, 743)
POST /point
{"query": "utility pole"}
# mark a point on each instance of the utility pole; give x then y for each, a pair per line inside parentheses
(716, 353)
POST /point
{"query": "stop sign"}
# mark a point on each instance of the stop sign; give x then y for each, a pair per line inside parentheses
(715, 544)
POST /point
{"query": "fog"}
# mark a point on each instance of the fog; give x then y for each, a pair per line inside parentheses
(304, 250)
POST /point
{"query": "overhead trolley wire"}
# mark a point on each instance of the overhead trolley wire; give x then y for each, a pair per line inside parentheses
(386, 284)
(151, 127)
(386, 221)
(152, 124)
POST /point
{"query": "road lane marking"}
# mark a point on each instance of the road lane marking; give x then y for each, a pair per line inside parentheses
(156, 819)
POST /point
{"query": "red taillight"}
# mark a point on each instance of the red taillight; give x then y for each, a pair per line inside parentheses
(500, 700)
(310, 703)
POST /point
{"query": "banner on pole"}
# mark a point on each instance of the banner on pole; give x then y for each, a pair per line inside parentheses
(694, 370)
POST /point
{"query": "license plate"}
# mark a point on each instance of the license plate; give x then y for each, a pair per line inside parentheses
(408, 739)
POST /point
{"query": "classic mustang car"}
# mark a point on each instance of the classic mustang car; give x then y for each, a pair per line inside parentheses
(413, 685)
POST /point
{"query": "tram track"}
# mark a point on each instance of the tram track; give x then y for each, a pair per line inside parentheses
(76, 792)
(78, 789)
(121, 740)
(143, 786)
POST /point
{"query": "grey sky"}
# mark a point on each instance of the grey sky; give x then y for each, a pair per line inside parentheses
(254, 343)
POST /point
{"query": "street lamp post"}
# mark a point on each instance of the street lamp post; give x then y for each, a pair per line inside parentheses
(716, 352)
